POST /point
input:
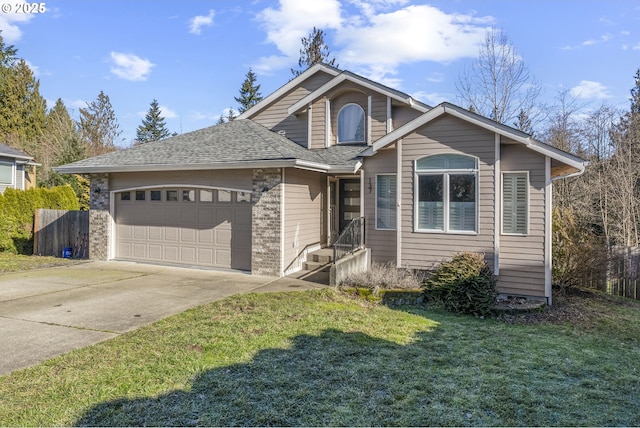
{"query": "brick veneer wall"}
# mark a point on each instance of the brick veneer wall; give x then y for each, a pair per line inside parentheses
(266, 222)
(99, 217)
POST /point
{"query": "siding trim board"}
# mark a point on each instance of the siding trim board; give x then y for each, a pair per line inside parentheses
(548, 261)
(399, 203)
(497, 203)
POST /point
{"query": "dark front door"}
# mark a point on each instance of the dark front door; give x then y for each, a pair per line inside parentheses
(349, 204)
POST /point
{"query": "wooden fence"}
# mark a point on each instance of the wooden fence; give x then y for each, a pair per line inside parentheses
(621, 274)
(55, 230)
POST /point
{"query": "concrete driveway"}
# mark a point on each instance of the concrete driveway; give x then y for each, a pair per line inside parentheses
(47, 312)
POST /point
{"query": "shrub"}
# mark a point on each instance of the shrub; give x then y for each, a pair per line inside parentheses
(465, 284)
(383, 277)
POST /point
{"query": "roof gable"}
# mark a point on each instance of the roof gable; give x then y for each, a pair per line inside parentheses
(482, 122)
(347, 76)
(291, 84)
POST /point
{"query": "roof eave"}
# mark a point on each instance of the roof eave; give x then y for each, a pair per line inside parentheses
(492, 126)
(276, 163)
(286, 88)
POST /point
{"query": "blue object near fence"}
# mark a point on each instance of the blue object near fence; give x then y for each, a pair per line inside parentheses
(67, 252)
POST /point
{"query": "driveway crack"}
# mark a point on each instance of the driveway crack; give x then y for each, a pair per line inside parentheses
(75, 327)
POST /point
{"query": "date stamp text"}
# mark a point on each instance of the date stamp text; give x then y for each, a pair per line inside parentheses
(21, 8)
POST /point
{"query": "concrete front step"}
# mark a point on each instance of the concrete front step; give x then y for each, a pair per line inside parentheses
(323, 255)
(313, 266)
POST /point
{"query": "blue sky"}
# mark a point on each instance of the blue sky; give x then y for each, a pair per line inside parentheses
(192, 55)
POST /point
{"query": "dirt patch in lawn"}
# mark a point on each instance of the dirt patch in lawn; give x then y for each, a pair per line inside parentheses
(574, 305)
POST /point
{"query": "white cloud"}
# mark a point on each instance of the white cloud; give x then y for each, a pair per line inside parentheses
(130, 67)
(293, 20)
(167, 113)
(10, 21)
(375, 37)
(604, 38)
(431, 98)
(588, 89)
(197, 22)
(415, 33)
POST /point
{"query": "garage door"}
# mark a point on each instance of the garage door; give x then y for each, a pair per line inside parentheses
(202, 227)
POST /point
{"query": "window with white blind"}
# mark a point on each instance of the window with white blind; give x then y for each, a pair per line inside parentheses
(6, 173)
(386, 202)
(446, 191)
(351, 124)
(515, 203)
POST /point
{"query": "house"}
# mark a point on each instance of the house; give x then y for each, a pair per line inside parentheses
(17, 169)
(263, 192)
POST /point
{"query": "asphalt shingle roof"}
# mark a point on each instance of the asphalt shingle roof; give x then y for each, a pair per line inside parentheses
(241, 140)
(12, 153)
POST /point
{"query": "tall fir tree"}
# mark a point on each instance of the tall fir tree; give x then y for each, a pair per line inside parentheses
(249, 92)
(22, 108)
(153, 127)
(99, 126)
(314, 50)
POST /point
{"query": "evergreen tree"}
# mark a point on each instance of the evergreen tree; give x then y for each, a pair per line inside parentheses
(59, 143)
(99, 126)
(249, 92)
(153, 127)
(314, 50)
(228, 116)
(22, 108)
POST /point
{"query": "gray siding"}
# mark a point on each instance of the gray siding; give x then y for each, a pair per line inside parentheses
(304, 218)
(522, 257)
(19, 178)
(319, 119)
(381, 242)
(235, 179)
(276, 117)
(402, 115)
(447, 135)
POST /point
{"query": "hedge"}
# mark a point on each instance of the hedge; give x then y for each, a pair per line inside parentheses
(17, 210)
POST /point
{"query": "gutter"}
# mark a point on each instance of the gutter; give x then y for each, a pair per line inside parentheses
(288, 163)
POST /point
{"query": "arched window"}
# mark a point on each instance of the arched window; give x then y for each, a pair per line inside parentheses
(446, 195)
(351, 124)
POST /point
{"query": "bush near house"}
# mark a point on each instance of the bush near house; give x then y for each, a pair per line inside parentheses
(465, 284)
(17, 209)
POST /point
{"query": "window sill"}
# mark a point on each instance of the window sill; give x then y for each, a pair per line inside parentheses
(449, 232)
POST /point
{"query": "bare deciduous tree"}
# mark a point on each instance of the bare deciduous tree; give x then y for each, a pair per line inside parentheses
(498, 84)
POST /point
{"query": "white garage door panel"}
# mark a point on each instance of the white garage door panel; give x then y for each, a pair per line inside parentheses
(213, 232)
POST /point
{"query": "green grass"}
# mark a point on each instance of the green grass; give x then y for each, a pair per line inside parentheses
(16, 262)
(323, 358)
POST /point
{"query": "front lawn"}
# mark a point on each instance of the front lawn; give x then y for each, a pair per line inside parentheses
(322, 358)
(10, 262)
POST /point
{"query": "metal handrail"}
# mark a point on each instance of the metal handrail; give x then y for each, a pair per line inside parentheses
(350, 240)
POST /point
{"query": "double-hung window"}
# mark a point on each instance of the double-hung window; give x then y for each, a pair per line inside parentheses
(386, 202)
(446, 193)
(515, 203)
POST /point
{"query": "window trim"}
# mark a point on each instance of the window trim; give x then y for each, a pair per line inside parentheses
(445, 173)
(395, 197)
(11, 165)
(528, 210)
(364, 124)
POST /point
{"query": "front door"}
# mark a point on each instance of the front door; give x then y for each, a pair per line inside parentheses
(349, 203)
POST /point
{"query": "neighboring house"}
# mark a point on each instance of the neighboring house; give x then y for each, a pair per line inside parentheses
(17, 169)
(282, 180)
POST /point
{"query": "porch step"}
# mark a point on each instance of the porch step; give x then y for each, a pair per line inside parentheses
(316, 266)
(323, 255)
